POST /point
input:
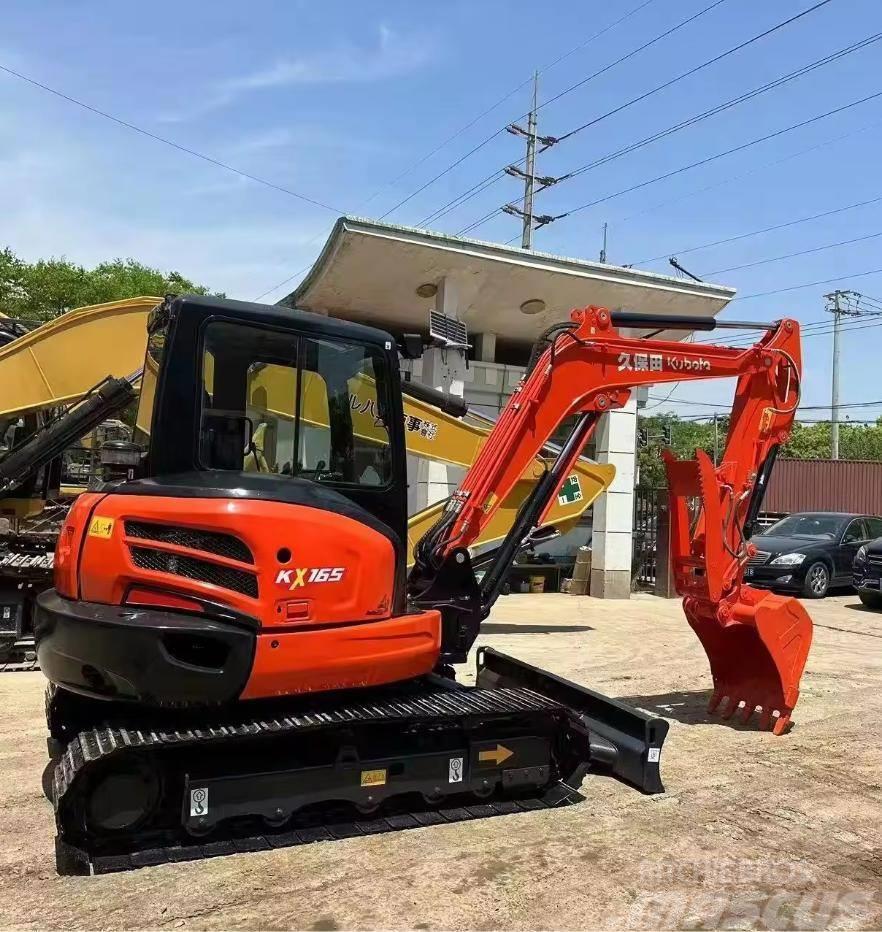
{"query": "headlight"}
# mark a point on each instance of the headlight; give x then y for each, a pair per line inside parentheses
(788, 559)
(861, 555)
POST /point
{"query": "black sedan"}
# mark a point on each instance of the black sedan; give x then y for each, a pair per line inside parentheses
(867, 573)
(810, 552)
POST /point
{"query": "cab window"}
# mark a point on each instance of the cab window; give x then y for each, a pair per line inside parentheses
(293, 405)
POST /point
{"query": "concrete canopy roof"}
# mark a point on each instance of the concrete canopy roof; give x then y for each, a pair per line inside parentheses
(369, 271)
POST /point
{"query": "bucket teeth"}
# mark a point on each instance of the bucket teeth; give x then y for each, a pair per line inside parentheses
(781, 724)
(726, 705)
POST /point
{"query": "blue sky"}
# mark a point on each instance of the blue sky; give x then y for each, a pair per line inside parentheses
(338, 101)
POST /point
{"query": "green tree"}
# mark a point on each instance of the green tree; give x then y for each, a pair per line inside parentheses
(807, 441)
(662, 431)
(44, 289)
(12, 271)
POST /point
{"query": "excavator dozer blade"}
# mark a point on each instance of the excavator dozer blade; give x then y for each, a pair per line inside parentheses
(623, 741)
(756, 656)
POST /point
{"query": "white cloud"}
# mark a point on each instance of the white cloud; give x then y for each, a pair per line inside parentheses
(309, 137)
(389, 56)
(392, 55)
(278, 138)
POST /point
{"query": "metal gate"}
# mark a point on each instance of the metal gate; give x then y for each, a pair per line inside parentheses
(644, 559)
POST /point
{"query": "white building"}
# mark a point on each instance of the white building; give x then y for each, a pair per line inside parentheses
(392, 276)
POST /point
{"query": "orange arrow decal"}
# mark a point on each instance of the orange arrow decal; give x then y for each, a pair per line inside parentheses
(498, 755)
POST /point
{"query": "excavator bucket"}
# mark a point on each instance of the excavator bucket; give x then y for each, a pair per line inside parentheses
(757, 642)
(756, 656)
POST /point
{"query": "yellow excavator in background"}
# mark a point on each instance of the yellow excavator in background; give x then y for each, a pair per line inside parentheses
(60, 381)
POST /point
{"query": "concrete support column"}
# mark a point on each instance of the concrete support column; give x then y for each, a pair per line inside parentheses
(612, 539)
(443, 369)
(485, 346)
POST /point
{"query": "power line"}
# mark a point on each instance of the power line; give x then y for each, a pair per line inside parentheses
(631, 54)
(501, 130)
(726, 105)
(725, 412)
(697, 68)
(463, 129)
(497, 175)
(792, 255)
(464, 196)
(854, 404)
(168, 142)
(737, 177)
(777, 226)
(824, 281)
(500, 173)
(719, 155)
(825, 329)
(811, 329)
(591, 38)
(442, 173)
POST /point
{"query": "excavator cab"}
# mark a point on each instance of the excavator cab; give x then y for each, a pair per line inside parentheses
(262, 552)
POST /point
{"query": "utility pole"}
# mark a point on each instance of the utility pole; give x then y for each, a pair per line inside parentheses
(530, 169)
(834, 390)
(839, 304)
(603, 248)
(716, 440)
(529, 221)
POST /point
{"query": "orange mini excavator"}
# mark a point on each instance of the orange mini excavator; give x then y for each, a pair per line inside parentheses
(238, 659)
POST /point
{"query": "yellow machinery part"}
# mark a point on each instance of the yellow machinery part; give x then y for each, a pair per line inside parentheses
(61, 360)
(594, 478)
(58, 362)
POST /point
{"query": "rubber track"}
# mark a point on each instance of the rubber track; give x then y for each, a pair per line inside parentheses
(97, 744)
(556, 797)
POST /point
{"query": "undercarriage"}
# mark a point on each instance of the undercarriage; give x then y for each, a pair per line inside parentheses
(136, 788)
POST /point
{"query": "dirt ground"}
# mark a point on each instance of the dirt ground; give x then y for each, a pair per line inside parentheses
(754, 831)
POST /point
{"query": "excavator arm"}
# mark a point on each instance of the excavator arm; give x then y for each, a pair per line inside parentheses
(757, 642)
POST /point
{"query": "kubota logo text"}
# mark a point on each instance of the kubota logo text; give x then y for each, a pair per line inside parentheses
(295, 578)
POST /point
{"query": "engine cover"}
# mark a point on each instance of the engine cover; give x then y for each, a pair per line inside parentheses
(314, 587)
(286, 565)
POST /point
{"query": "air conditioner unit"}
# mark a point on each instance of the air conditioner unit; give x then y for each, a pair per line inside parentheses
(447, 332)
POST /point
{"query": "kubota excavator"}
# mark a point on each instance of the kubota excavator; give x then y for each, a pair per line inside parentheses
(238, 660)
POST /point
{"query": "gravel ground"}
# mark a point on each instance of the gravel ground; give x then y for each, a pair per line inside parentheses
(754, 831)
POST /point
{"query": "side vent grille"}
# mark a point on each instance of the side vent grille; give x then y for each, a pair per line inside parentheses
(201, 570)
(224, 545)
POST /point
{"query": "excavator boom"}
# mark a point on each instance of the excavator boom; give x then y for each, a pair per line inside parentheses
(757, 643)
